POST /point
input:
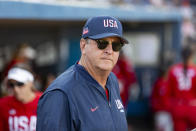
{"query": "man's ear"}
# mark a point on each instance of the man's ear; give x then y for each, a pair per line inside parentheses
(83, 43)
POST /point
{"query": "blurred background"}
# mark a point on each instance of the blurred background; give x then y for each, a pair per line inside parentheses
(46, 34)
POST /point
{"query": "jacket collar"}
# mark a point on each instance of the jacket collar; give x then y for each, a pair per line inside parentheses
(82, 71)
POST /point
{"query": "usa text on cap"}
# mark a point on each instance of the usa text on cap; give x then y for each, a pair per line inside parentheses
(102, 27)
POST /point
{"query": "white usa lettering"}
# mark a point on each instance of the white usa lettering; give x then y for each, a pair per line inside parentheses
(110, 23)
(22, 123)
(119, 105)
(184, 82)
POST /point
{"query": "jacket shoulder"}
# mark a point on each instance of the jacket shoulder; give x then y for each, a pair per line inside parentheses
(66, 81)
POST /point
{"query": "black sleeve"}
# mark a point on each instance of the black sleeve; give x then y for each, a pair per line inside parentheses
(53, 113)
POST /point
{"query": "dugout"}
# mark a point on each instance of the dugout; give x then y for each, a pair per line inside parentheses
(54, 31)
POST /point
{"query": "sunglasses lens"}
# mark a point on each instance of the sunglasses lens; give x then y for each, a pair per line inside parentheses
(116, 46)
(19, 84)
(102, 44)
(12, 84)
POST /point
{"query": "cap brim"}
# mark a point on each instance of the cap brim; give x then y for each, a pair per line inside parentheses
(104, 35)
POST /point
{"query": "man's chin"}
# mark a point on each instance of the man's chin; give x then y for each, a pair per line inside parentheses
(106, 67)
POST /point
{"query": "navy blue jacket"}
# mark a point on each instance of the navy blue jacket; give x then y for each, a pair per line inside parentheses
(76, 102)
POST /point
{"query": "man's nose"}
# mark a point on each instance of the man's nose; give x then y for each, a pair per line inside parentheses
(109, 48)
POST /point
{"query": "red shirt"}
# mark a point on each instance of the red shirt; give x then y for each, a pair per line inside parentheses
(159, 95)
(15, 115)
(107, 93)
(182, 89)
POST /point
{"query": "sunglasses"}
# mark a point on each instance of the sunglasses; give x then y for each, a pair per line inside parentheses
(116, 45)
(14, 84)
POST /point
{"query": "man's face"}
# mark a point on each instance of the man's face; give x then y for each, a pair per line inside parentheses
(101, 59)
(20, 90)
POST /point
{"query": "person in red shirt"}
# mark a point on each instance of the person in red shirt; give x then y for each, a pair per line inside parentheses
(160, 107)
(18, 112)
(126, 77)
(24, 54)
(182, 91)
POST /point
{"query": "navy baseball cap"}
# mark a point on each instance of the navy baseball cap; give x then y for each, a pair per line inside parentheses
(103, 26)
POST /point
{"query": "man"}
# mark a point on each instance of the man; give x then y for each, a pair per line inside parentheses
(18, 112)
(86, 96)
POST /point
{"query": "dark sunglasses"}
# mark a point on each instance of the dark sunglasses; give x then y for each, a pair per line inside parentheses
(14, 84)
(116, 46)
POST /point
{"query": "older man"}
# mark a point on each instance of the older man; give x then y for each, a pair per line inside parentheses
(86, 96)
